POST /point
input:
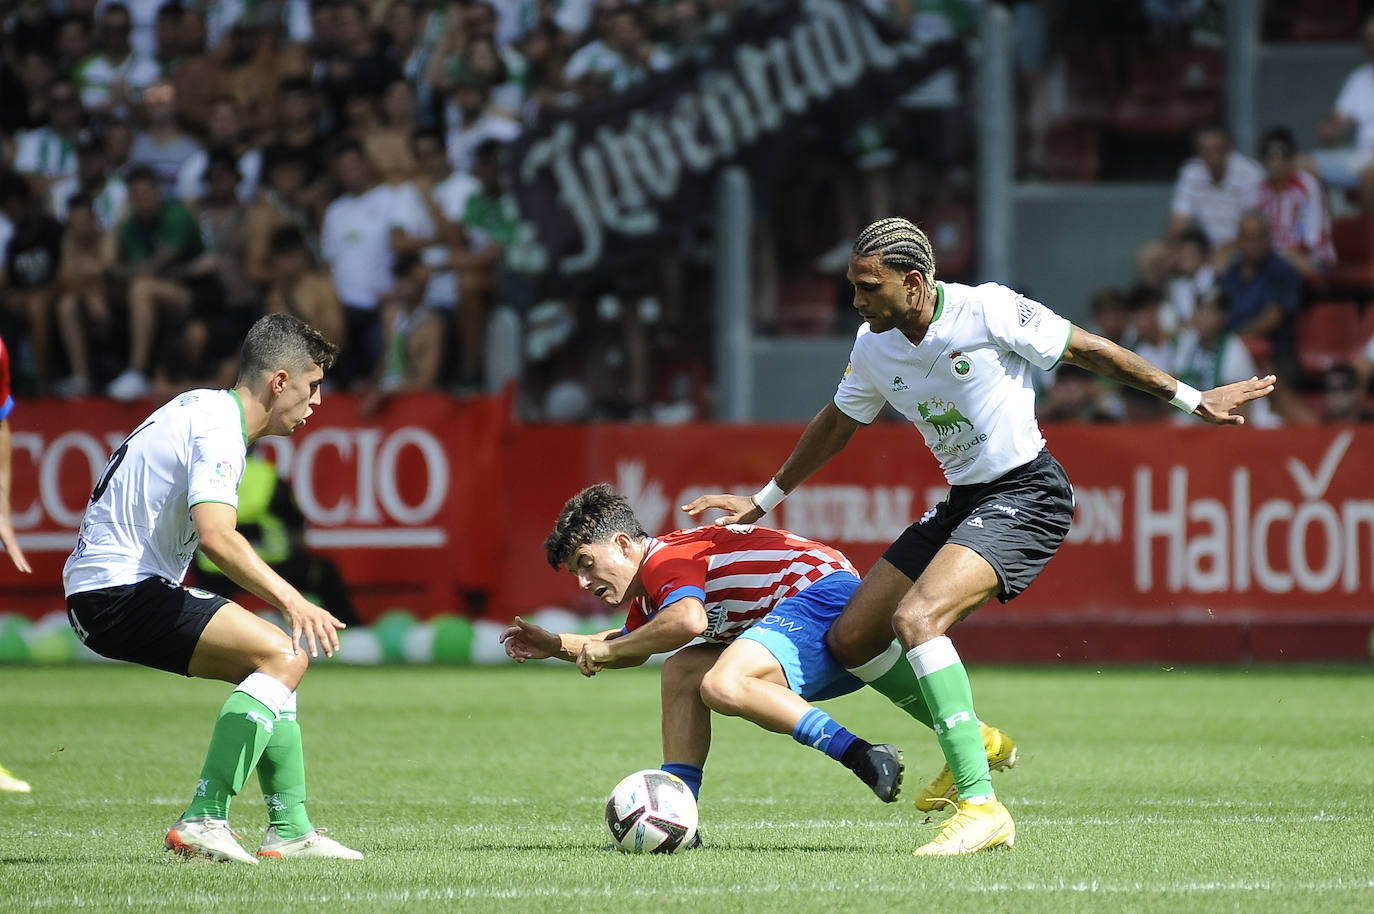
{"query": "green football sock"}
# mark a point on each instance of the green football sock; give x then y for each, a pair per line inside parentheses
(950, 699)
(281, 772)
(242, 731)
(895, 680)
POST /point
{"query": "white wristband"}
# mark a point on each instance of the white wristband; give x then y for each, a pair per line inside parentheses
(770, 496)
(1186, 398)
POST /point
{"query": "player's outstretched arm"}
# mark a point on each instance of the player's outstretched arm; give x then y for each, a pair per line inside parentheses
(671, 628)
(8, 540)
(525, 640)
(1218, 405)
(825, 436)
(227, 548)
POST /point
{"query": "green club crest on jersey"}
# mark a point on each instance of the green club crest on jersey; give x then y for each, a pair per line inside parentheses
(945, 422)
(960, 366)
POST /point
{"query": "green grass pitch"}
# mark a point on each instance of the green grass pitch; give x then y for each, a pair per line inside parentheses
(1144, 789)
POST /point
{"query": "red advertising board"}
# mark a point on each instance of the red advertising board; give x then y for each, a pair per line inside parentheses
(1188, 540)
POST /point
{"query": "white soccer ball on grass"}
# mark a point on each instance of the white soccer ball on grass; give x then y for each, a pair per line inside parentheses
(652, 812)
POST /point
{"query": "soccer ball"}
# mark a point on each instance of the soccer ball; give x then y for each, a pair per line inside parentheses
(652, 812)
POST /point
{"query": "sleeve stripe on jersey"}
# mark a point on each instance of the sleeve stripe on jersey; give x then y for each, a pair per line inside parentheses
(213, 501)
(1066, 344)
(682, 593)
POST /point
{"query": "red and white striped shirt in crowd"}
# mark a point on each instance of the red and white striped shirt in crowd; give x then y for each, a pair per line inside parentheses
(1298, 217)
(739, 573)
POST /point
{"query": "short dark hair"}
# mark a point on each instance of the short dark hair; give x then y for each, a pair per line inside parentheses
(1194, 235)
(286, 239)
(592, 515)
(404, 263)
(1143, 295)
(142, 173)
(295, 84)
(284, 341)
(1283, 138)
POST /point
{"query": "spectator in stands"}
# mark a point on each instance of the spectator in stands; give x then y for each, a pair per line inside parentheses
(161, 145)
(299, 287)
(356, 242)
(157, 240)
(1077, 395)
(619, 56)
(29, 281)
(113, 78)
(1264, 291)
(73, 43)
(412, 336)
(1153, 264)
(83, 306)
(298, 132)
(1347, 162)
(1112, 316)
(473, 121)
(388, 144)
(24, 89)
(1296, 206)
(1193, 274)
(93, 179)
(1213, 189)
(285, 200)
(1152, 337)
(354, 63)
(1210, 353)
(48, 153)
(222, 132)
(198, 76)
(1343, 396)
(223, 227)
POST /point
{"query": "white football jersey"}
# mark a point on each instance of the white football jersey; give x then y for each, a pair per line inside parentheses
(967, 384)
(138, 523)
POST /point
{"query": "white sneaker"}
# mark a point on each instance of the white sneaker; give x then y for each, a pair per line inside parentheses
(129, 386)
(11, 783)
(202, 836)
(315, 844)
(71, 387)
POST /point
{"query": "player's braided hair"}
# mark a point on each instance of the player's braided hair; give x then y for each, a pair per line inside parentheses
(592, 515)
(278, 341)
(899, 244)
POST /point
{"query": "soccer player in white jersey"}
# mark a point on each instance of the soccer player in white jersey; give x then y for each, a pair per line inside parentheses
(173, 483)
(956, 360)
(759, 599)
(8, 541)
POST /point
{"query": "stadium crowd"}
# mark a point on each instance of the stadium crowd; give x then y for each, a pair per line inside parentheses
(171, 170)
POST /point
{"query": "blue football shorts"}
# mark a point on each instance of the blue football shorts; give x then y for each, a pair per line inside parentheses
(794, 633)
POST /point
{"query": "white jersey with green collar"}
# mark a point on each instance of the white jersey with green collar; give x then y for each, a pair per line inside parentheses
(967, 384)
(138, 523)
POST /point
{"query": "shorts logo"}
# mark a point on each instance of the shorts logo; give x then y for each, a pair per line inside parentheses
(200, 594)
(960, 366)
(976, 522)
(1010, 512)
(898, 383)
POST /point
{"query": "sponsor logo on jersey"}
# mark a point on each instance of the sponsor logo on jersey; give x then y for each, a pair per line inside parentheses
(943, 416)
(975, 522)
(849, 369)
(898, 383)
(1010, 512)
(960, 365)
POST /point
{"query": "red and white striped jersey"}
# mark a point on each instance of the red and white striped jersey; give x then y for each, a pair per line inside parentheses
(1298, 217)
(739, 573)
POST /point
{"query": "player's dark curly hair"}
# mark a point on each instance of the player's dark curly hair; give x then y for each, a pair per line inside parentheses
(278, 341)
(899, 244)
(596, 513)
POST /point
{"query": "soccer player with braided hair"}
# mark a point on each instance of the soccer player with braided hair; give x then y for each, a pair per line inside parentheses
(956, 360)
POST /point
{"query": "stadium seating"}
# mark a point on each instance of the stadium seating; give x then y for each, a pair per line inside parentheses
(1172, 92)
(1326, 20)
(1328, 332)
(1072, 152)
(1354, 268)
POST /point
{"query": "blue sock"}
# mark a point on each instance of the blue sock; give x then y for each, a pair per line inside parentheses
(690, 774)
(819, 731)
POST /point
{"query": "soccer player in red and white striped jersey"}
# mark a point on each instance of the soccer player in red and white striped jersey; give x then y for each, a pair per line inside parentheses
(760, 600)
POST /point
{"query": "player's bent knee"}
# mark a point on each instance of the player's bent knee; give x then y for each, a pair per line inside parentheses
(855, 647)
(722, 692)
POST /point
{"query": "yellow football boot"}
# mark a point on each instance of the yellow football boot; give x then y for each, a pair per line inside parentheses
(1001, 750)
(976, 827)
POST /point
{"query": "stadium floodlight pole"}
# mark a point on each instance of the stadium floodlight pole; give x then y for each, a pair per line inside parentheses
(996, 135)
(1242, 50)
(734, 399)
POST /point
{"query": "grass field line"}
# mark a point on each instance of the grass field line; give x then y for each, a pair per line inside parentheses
(222, 898)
